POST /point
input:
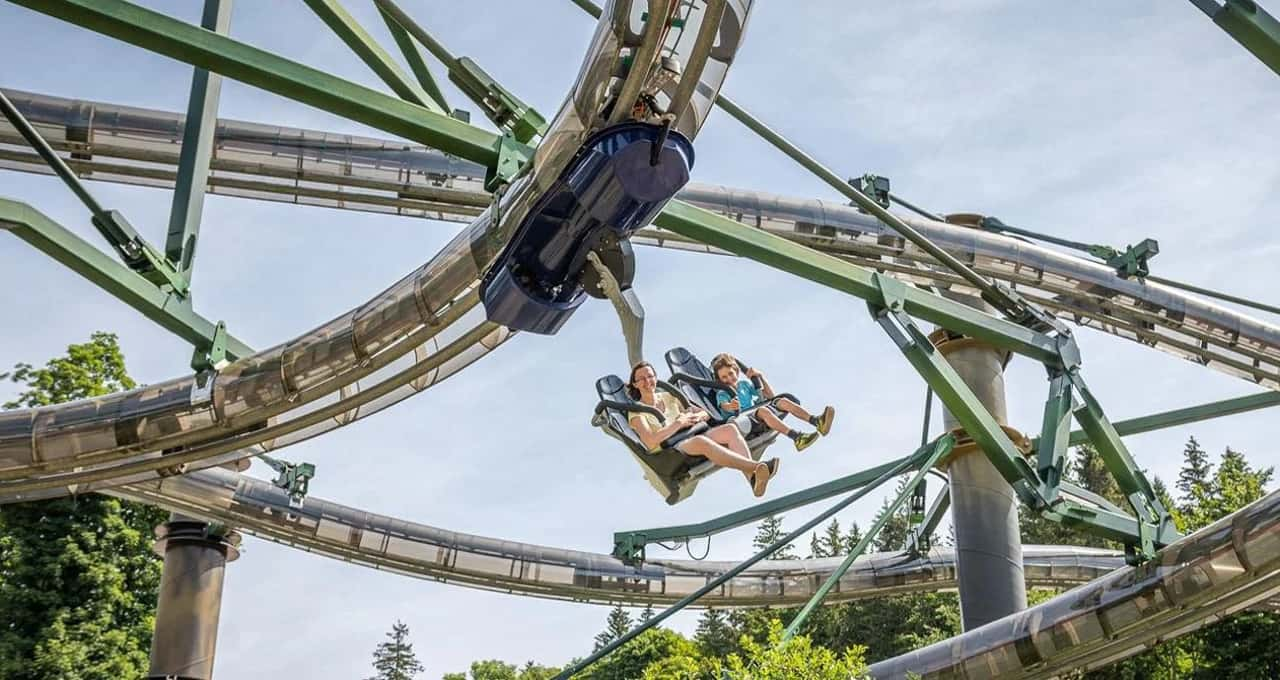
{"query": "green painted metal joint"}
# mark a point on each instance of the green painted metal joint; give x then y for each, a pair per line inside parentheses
(213, 355)
(499, 105)
(139, 255)
(512, 157)
(292, 478)
(169, 310)
(1132, 261)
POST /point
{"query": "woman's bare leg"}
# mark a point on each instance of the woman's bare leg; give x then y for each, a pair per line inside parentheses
(702, 445)
(788, 406)
(731, 437)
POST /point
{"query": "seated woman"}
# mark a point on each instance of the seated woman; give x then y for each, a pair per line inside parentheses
(722, 445)
(745, 396)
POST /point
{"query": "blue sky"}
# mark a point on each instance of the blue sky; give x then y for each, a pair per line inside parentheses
(1098, 121)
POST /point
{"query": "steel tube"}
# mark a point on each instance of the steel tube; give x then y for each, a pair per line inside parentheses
(186, 634)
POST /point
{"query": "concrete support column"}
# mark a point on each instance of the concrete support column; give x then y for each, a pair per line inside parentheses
(984, 509)
(186, 634)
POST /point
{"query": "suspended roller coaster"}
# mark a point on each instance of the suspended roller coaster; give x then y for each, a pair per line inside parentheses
(551, 211)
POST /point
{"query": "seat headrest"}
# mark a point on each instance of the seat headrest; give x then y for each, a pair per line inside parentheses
(612, 388)
(681, 360)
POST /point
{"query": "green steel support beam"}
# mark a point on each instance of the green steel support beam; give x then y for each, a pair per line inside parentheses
(1154, 517)
(1051, 448)
(414, 58)
(332, 13)
(575, 668)
(1250, 25)
(1190, 414)
(205, 49)
(197, 150)
(935, 455)
(832, 272)
(499, 105)
(629, 546)
(167, 309)
(959, 399)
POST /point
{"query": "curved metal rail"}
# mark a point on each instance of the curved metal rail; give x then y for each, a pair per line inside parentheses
(371, 355)
(1230, 565)
(381, 542)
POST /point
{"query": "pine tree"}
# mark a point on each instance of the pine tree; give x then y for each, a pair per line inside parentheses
(714, 635)
(394, 659)
(816, 548)
(833, 542)
(646, 613)
(1195, 469)
(617, 625)
(771, 532)
(78, 579)
(854, 537)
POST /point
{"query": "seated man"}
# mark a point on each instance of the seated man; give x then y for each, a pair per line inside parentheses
(767, 408)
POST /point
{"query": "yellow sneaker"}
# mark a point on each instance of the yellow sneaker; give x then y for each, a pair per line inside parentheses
(824, 420)
(805, 440)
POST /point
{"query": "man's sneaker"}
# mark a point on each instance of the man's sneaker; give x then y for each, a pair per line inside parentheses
(804, 440)
(824, 420)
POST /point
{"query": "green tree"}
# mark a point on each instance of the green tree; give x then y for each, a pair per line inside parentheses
(816, 547)
(78, 579)
(853, 538)
(1195, 468)
(618, 623)
(533, 671)
(714, 635)
(629, 661)
(770, 532)
(798, 658)
(493, 669)
(394, 659)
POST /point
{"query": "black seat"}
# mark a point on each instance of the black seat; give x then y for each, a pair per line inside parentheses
(672, 473)
(696, 381)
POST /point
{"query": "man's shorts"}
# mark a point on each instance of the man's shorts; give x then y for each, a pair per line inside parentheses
(750, 425)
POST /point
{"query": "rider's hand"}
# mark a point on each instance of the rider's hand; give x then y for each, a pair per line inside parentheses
(753, 373)
(733, 405)
(699, 415)
(686, 419)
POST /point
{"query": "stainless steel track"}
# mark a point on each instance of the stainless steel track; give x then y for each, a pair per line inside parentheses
(383, 542)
